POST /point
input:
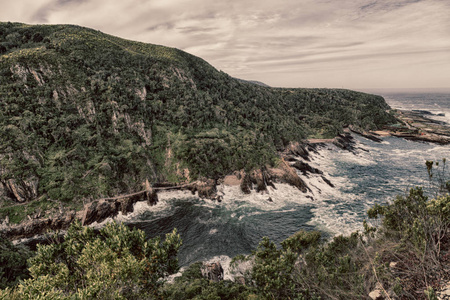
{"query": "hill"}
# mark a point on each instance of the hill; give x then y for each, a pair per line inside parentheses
(85, 115)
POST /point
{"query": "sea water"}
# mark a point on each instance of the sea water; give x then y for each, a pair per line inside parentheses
(374, 173)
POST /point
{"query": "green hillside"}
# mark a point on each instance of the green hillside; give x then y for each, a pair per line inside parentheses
(85, 115)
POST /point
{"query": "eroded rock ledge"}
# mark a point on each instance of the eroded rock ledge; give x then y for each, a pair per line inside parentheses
(99, 210)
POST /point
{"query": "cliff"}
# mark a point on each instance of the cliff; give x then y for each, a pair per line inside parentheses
(85, 115)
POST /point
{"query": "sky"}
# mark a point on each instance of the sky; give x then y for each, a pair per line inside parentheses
(355, 44)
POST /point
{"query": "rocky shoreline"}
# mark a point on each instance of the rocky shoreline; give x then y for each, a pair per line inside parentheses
(294, 161)
(417, 126)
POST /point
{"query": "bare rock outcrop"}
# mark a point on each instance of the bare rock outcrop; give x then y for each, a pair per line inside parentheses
(95, 211)
(345, 141)
(298, 149)
(34, 227)
(205, 188)
(212, 271)
(306, 168)
(285, 173)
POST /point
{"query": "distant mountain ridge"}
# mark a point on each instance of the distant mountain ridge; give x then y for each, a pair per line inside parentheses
(85, 115)
(254, 82)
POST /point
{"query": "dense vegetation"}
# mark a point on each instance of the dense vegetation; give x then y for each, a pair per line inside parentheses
(404, 256)
(115, 263)
(84, 115)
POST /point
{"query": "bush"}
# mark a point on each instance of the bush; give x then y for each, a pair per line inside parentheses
(116, 263)
(13, 263)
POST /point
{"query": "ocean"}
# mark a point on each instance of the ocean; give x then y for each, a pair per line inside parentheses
(374, 173)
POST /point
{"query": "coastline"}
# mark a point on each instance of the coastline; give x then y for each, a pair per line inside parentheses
(416, 126)
(294, 161)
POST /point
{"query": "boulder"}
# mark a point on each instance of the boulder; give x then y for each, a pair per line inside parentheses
(212, 271)
(246, 184)
(327, 181)
(206, 188)
(98, 211)
(258, 178)
(125, 205)
(377, 293)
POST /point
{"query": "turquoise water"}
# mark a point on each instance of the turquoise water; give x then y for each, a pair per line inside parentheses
(375, 173)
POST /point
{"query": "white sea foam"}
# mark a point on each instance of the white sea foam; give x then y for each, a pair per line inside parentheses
(281, 196)
(162, 207)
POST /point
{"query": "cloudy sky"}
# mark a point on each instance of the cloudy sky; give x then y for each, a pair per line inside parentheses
(290, 43)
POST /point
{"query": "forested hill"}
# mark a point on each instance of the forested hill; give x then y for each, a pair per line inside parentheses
(85, 114)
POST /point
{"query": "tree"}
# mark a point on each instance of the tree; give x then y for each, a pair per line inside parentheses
(13, 263)
(115, 263)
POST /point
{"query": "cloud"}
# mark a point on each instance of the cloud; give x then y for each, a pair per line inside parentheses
(287, 43)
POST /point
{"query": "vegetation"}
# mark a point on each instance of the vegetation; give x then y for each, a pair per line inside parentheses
(85, 115)
(116, 263)
(405, 256)
(13, 263)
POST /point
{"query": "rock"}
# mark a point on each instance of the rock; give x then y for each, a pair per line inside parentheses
(63, 221)
(20, 190)
(126, 205)
(98, 211)
(298, 150)
(327, 181)
(370, 136)
(212, 271)
(246, 184)
(206, 188)
(304, 168)
(152, 197)
(291, 158)
(38, 226)
(285, 173)
(377, 293)
(345, 141)
(258, 178)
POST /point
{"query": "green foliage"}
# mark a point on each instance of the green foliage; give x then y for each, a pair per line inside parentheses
(337, 268)
(13, 263)
(301, 241)
(116, 263)
(192, 285)
(418, 227)
(416, 218)
(86, 115)
(17, 213)
(407, 255)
